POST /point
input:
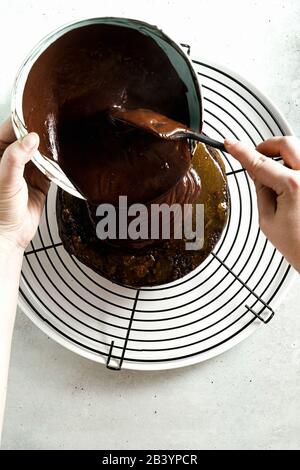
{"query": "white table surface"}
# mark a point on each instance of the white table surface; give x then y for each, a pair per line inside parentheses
(250, 396)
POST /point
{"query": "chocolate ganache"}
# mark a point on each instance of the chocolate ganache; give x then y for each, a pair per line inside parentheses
(150, 121)
(67, 97)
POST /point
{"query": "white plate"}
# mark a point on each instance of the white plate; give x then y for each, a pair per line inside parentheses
(192, 319)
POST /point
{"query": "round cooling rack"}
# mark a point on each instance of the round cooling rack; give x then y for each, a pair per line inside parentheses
(195, 318)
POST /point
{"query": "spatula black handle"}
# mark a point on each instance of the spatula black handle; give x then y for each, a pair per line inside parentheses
(206, 140)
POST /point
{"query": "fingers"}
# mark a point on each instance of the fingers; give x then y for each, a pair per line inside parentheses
(15, 158)
(7, 135)
(262, 169)
(36, 179)
(286, 147)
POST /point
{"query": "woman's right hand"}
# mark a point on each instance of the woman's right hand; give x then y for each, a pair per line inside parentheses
(277, 188)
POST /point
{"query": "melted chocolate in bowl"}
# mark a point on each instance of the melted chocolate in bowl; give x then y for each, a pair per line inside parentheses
(66, 99)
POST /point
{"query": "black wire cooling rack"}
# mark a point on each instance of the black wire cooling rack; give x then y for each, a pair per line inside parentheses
(203, 314)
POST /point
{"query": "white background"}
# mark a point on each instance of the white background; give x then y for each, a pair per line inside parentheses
(246, 398)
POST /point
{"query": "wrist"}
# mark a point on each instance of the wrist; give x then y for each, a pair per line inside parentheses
(10, 247)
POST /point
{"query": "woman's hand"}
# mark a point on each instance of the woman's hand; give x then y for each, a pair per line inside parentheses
(277, 188)
(23, 189)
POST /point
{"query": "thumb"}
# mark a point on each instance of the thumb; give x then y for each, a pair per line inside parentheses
(15, 158)
(261, 168)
